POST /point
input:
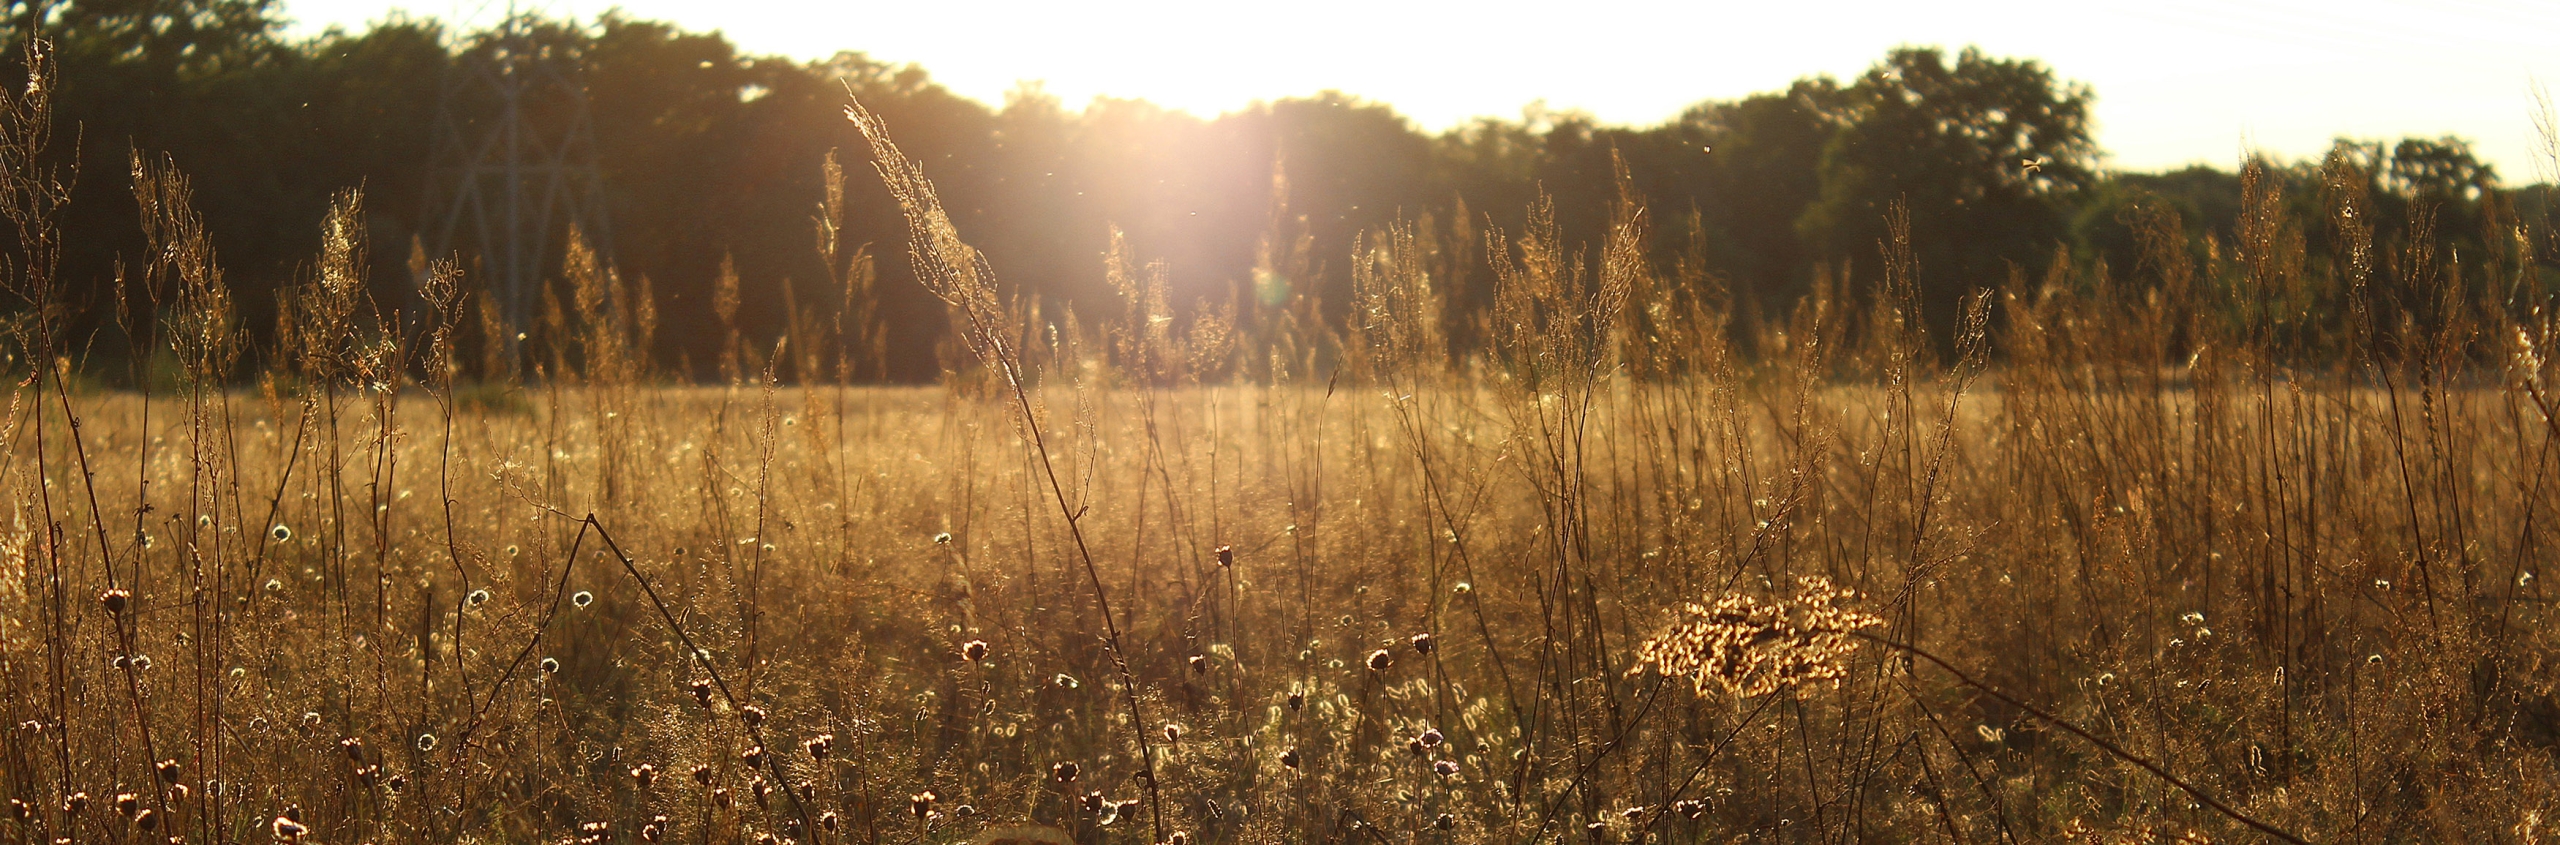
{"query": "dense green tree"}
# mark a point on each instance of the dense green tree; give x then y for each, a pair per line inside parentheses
(1986, 154)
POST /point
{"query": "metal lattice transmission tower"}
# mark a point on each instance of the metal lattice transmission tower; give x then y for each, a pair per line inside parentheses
(515, 163)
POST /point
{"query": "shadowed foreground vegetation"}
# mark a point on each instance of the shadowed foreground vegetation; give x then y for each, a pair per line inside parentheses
(2168, 555)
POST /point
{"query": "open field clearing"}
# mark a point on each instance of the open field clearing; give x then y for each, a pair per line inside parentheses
(2322, 616)
(2234, 540)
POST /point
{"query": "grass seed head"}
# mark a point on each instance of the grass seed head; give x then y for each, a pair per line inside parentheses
(1752, 648)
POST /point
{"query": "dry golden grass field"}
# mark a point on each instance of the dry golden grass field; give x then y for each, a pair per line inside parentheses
(2092, 565)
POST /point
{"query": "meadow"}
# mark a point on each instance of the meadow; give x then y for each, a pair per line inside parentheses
(2129, 557)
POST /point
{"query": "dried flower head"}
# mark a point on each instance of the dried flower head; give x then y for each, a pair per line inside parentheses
(1381, 659)
(1446, 821)
(752, 715)
(127, 803)
(974, 650)
(1754, 648)
(644, 775)
(1431, 738)
(1065, 771)
(583, 598)
(1289, 758)
(550, 666)
(1199, 664)
(1226, 556)
(819, 745)
(281, 533)
(114, 600)
(286, 829)
(146, 819)
(1445, 768)
(702, 774)
(1172, 732)
(921, 803)
(1424, 644)
(168, 770)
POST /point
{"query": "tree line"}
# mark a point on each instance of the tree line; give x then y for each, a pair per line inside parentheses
(714, 167)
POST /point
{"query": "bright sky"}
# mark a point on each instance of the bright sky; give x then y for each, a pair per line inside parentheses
(2178, 81)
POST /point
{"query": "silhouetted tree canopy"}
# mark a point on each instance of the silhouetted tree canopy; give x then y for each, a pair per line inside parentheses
(711, 158)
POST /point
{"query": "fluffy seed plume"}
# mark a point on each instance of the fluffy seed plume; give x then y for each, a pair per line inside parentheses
(1752, 648)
